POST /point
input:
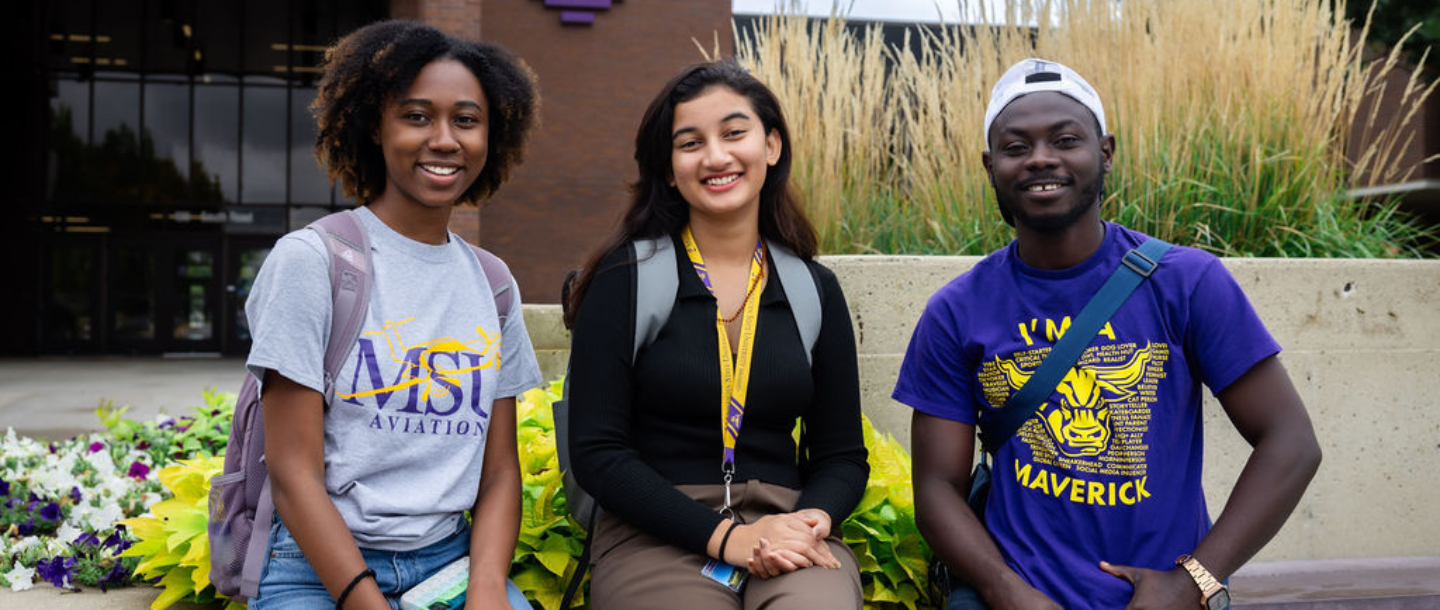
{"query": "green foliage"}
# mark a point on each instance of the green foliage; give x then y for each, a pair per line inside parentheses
(547, 553)
(173, 545)
(203, 433)
(882, 532)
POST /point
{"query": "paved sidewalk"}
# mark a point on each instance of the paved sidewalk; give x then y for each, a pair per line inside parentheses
(55, 397)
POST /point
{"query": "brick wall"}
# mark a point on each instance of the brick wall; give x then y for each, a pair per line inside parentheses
(595, 81)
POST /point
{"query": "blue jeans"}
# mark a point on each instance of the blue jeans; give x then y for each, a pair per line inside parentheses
(965, 598)
(288, 581)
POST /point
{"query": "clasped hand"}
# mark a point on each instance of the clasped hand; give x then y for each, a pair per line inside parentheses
(787, 542)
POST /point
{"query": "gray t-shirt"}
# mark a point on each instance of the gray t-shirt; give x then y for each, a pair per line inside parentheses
(405, 429)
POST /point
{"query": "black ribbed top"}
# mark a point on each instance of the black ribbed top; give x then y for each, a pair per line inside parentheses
(638, 429)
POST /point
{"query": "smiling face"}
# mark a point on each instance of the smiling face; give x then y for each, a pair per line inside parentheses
(1047, 162)
(434, 137)
(720, 152)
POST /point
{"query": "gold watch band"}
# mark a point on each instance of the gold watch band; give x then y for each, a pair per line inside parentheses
(1207, 582)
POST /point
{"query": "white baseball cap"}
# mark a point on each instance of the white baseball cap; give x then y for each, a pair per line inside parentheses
(1032, 75)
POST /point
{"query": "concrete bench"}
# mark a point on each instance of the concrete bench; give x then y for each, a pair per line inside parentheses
(1407, 583)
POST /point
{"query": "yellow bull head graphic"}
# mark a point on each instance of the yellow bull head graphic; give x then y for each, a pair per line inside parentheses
(1080, 424)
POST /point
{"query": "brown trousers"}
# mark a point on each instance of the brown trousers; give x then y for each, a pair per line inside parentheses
(635, 571)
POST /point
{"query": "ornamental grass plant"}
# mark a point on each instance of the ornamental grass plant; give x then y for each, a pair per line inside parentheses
(1232, 124)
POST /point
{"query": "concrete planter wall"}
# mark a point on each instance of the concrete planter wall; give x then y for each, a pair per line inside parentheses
(1362, 343)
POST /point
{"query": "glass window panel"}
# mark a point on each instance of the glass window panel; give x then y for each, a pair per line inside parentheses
(312, 30)
(69, 44)
(262, 148)
(119, 158)
(192, 296)
(217, 36)
(167, 126)
(308, 183)
(169, 34)
(132, 294)
(71, 311)
(117, 38)
(267, 37)
(69, 139)
(301, 216)
(250, 261)
(217, 141)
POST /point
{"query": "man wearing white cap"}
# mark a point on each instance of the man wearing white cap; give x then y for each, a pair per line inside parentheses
(1096, 499)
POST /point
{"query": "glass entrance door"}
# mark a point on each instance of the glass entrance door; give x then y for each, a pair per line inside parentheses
(244, 256)
(163, 296)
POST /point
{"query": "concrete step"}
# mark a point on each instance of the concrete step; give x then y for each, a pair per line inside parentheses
(1404, 583)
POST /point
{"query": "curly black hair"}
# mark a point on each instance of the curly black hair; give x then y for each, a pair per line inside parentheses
(376, 64)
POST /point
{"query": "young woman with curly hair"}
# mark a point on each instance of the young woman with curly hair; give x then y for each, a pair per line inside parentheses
(372, 471)
(691, 491)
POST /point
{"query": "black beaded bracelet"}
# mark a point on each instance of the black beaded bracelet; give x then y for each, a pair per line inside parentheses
(726, 539)
(340, 603)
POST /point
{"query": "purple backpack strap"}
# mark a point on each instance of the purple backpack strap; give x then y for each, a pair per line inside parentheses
(349, 249)
(499, 276)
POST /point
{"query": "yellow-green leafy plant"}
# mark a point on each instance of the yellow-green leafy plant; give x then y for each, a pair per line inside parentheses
(882, 532)
(172, 541)
(547, 553)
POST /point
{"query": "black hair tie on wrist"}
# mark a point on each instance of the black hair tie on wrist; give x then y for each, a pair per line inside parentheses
(340, 603)
(726, 539)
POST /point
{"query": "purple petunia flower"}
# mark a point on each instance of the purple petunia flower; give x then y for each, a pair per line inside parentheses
(58, 571)
(53, 448)
(75, 494)
(87, 538)
(117, 541)
(96, 446)
(116, 576)
(138, 470)
(26, 528)
(143, 445)
(4, 488)
(51, 512)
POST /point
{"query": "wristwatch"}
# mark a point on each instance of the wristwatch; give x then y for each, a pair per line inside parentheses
(1214, 594)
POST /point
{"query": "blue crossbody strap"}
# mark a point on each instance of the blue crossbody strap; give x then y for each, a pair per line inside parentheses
(1135, 266)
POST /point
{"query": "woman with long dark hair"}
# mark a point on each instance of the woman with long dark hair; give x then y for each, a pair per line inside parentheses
(372, 470)
(687, 443)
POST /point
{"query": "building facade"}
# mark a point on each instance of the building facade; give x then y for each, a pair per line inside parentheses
(166, 144)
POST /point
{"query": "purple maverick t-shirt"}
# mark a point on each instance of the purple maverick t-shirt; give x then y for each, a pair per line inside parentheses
(1109, 468)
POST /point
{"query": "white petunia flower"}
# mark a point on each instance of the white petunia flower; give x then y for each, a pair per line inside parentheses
(106, 517)
(67, 533)
(25, 544)
(21, 577)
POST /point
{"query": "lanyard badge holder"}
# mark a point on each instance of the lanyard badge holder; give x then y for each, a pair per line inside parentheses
(734, 383)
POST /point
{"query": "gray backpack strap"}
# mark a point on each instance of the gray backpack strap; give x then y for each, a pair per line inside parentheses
(498, 274)
(349, 249)
(655, 271)
(802, 293)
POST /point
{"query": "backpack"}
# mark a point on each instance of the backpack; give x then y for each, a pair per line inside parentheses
(241, 509)
(656, 283)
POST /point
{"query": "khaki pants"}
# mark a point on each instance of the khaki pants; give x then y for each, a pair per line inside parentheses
(633, 570)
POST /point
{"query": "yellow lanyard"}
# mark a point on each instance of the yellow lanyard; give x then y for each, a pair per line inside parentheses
(734, 379)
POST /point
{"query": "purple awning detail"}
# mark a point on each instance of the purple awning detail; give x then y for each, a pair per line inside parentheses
(590, 4)
(577, 17)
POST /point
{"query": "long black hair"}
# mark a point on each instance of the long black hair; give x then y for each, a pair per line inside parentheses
(657, 208)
